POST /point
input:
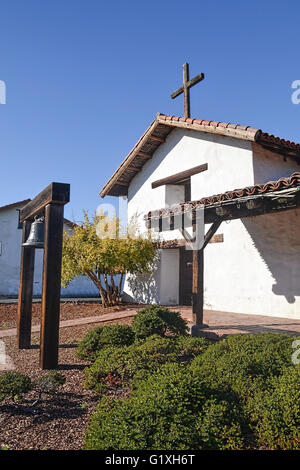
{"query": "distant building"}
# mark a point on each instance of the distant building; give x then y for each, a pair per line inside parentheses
(10, 254)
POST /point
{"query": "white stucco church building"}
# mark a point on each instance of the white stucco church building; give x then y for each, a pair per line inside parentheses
(252, 263)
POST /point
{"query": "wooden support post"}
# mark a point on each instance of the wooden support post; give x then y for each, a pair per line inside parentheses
(198, 275)
(198, 287)
(51, 286)
(25, 291)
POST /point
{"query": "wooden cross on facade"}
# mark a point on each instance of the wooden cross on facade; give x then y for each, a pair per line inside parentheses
(185, 88)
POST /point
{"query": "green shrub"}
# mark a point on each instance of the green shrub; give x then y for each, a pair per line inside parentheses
(156, 320)
(14, 385)
(118, 366)
(242, 363)
(103, 336)
(171, 410)
(190, 346)
(275, 411)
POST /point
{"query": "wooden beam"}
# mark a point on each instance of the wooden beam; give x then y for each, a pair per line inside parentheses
(118, 190)
(267, 203)
(182, 175)
(132, 169)
(212, 230)
(221, 211)
(181, 242)
(198, 78)
(217, 238)
(157, 139)
(25, 291)
(54, 215)
(57, 193)
(144, 154)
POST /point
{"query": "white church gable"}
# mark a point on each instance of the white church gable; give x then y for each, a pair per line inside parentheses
(256, 269)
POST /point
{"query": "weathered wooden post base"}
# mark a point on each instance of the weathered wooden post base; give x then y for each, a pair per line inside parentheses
(197, 330)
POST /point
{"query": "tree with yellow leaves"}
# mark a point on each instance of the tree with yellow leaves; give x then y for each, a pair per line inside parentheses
(98, 249)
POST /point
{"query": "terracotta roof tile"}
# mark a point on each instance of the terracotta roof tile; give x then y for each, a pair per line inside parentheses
(257, 189)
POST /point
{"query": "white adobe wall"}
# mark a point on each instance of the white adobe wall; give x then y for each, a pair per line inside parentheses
(257, 268)
(10, 238)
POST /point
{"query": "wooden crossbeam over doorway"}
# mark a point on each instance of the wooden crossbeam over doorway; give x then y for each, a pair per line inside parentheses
(181, 176)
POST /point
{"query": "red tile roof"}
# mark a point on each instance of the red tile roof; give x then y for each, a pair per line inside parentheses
(212, 124)
(163, 125)
(271, 186)
(278, 185)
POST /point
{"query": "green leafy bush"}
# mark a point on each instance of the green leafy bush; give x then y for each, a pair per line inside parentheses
(242, 363)
(14, 385)
(103, 336)
(118, 366)
(242, 392)
(171, 410)
(189, 346)
(275, 411)
(156, 320)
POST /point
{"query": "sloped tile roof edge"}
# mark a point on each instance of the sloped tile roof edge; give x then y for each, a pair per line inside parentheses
(214, 127)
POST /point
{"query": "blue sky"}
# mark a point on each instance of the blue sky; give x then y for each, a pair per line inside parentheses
(85, 78)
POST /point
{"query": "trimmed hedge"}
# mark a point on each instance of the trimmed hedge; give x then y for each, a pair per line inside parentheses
(275, 411)
(103, 336)
(157, 320)
(242, 392)
(170, 410)
(242, 363)
(126, 366)
(118, 366)
(14, 385)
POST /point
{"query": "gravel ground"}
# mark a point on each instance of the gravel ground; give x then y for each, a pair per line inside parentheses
(68, 311)
(57, 422)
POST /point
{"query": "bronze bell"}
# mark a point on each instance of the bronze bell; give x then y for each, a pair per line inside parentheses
(36, 235)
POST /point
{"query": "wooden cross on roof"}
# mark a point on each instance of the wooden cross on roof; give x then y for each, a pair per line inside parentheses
(185, 88)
